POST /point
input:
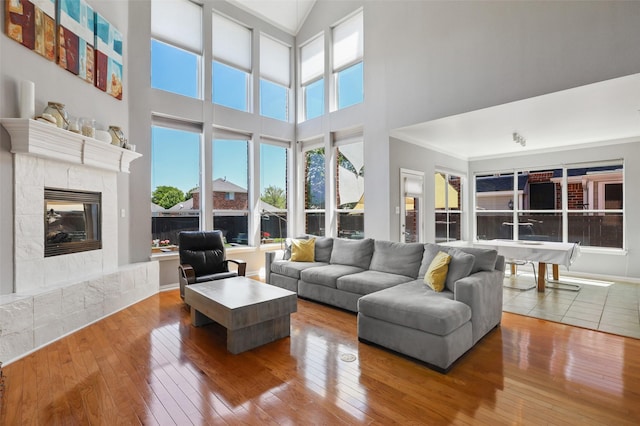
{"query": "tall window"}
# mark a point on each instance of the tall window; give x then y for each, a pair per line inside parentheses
(538, 205)
(595, 205)
(175, 182)
(230, 189)
(314, 201)
(348, 51)
(176, 50)
(231, 64)
(273, 193)
(275, 78)
(350, 190)
(312, 77)
(448, 204)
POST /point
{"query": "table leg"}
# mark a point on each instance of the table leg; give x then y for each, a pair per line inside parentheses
(542, 275)
(556, 274)
(514, 269)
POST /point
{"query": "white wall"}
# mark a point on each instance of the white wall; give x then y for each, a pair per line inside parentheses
(404, 155)
(53, 83)
(430, 59)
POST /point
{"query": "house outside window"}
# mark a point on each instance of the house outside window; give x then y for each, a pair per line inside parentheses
(448, 207)
(347, 61)
(230, 189)
(175, 159)
(176, 50)
(314, 191)
(538, 205)
(231, 82)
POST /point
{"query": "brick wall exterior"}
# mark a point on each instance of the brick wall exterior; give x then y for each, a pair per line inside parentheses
(576, 196)
(240, 201)
(574, 190)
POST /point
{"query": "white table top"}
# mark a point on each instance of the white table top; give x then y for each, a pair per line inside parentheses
(537, 251)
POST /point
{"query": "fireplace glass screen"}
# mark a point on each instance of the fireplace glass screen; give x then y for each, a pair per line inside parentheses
(71, 221)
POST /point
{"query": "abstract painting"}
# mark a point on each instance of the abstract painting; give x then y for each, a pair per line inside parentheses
(32, 24)
(108, 57)
(76, 38)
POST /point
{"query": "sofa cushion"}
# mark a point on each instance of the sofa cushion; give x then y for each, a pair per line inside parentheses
(436, 275)
(323, 249)
(369, 281)
(430, 252)
(485, 259)
(292, 269)
(459, 267)
(303, 250)
(327, 275)
(397, 258)
(416, 306)
(352, 252)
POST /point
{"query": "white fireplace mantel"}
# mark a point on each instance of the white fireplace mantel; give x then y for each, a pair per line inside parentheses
(46, 141)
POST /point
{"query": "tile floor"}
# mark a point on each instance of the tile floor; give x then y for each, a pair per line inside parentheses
(613, 307)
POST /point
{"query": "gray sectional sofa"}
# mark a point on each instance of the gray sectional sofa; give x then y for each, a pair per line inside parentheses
(383, 282)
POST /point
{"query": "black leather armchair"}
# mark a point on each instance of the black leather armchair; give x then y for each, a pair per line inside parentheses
(203, 258)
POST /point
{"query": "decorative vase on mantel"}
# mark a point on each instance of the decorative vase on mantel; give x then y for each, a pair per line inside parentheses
(117, 136)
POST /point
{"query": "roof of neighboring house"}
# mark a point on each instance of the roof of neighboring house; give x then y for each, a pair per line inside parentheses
(156, 208)
(268, 208)
(505, 183)
(223, 185)
(183, 205)
(499, 183)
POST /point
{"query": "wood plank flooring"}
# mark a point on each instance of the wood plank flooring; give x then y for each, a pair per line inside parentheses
(147, 365)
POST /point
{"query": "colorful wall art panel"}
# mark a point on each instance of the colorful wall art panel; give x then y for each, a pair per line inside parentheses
(108, 58)
(32, 23)
(76, 38)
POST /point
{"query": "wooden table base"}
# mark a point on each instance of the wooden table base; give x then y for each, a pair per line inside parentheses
(542, 275)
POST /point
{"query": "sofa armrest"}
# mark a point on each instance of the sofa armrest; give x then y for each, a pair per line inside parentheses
(242, 266)
(482, 292)
(269, 258)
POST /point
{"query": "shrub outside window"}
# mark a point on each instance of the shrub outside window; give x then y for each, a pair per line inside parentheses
(314, 192)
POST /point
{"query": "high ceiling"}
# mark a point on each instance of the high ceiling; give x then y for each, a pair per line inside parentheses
(288, 15)
(607, 111)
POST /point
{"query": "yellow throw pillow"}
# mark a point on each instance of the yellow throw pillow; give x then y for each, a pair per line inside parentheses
(436, 275)
(303, 250)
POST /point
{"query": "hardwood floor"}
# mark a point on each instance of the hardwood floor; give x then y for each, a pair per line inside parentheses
(148, 365)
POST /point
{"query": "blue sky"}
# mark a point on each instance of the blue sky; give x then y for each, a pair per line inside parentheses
(175, 154)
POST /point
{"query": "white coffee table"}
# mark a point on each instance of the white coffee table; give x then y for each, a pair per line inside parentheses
(252, 312)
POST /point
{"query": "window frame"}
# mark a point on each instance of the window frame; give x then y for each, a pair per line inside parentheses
(354, 140)
(337, 69)
(305, 149)
(565, 211)
(447, 210)
(316, 76)
(287, 210)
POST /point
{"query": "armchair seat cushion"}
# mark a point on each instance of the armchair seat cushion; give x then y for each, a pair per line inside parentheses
(218, 276)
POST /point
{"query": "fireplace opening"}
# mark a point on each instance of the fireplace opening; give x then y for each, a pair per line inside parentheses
(71, 221)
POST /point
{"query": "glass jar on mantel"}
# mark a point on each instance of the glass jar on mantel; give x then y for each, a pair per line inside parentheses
(117, 136)
(56, 109)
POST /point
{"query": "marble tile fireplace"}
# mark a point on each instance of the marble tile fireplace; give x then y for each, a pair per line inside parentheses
(57, 294)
